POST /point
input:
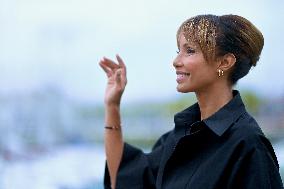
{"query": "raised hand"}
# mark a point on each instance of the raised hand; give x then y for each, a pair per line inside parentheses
(116, 74)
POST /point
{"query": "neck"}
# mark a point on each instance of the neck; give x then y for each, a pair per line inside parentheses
(210, 101)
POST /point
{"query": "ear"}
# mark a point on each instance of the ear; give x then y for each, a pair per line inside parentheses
(227, 62)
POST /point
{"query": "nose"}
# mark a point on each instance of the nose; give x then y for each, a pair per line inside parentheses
(177, 62)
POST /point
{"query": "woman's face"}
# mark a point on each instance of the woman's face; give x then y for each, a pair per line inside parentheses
(194, 73)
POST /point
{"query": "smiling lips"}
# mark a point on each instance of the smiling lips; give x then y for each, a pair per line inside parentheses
(181, 76)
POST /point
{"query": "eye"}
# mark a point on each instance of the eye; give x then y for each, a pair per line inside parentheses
(178, 51)
(190, 50)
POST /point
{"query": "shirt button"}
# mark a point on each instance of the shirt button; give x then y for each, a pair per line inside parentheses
(196, 127)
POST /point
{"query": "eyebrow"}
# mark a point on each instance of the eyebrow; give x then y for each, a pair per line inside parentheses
(186, 45)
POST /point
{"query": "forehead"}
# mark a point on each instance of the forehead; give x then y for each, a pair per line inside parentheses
(183, 41)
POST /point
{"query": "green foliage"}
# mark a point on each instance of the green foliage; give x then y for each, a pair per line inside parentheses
(180, 104)
(144, 143)
(168, 108)
(164, 108)
(89, 111)
(252, 101)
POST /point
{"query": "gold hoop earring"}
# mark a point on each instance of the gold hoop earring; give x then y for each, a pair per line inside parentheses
(220, 72)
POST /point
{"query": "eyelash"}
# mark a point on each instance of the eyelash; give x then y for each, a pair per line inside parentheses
(188, 51)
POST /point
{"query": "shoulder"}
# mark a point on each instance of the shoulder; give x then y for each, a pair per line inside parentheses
(247, 133)
(162, 140)
(248, 136)
(247, 129)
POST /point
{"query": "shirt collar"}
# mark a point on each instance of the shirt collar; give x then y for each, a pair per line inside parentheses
(188, 116)
(220, 121)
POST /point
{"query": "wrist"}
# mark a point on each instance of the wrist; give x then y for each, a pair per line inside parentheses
(112, 101)
(112, 106)
(112, 115)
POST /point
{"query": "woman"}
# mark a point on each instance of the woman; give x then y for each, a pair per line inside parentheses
(215, 143)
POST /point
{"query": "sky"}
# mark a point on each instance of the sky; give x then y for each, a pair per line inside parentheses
(60, 42)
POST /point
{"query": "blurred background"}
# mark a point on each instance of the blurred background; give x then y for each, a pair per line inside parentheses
(51, 87)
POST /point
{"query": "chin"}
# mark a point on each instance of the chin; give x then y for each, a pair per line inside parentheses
(183, 89)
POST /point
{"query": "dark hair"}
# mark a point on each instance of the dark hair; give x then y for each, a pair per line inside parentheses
(219, 35)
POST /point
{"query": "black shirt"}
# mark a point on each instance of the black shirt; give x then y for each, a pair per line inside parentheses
(226, 150)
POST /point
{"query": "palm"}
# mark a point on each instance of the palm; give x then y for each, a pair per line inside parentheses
(111, 90)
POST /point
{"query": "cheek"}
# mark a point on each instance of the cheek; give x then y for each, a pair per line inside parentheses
(194, 63)
(208, 75)
(201, 73)
(194, 68)
(191, 65)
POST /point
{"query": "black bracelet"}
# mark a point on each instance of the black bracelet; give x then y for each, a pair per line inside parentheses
(113, 127)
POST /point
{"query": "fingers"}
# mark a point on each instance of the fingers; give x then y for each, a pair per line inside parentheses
(120, 62)
(118, 76)
(108, 62)
(111, 64)
(107, 70)
(123, 69)
(110, 67)
(120, 85)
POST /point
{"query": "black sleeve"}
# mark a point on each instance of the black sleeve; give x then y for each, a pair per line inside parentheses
(137, 169)
(257, 169)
